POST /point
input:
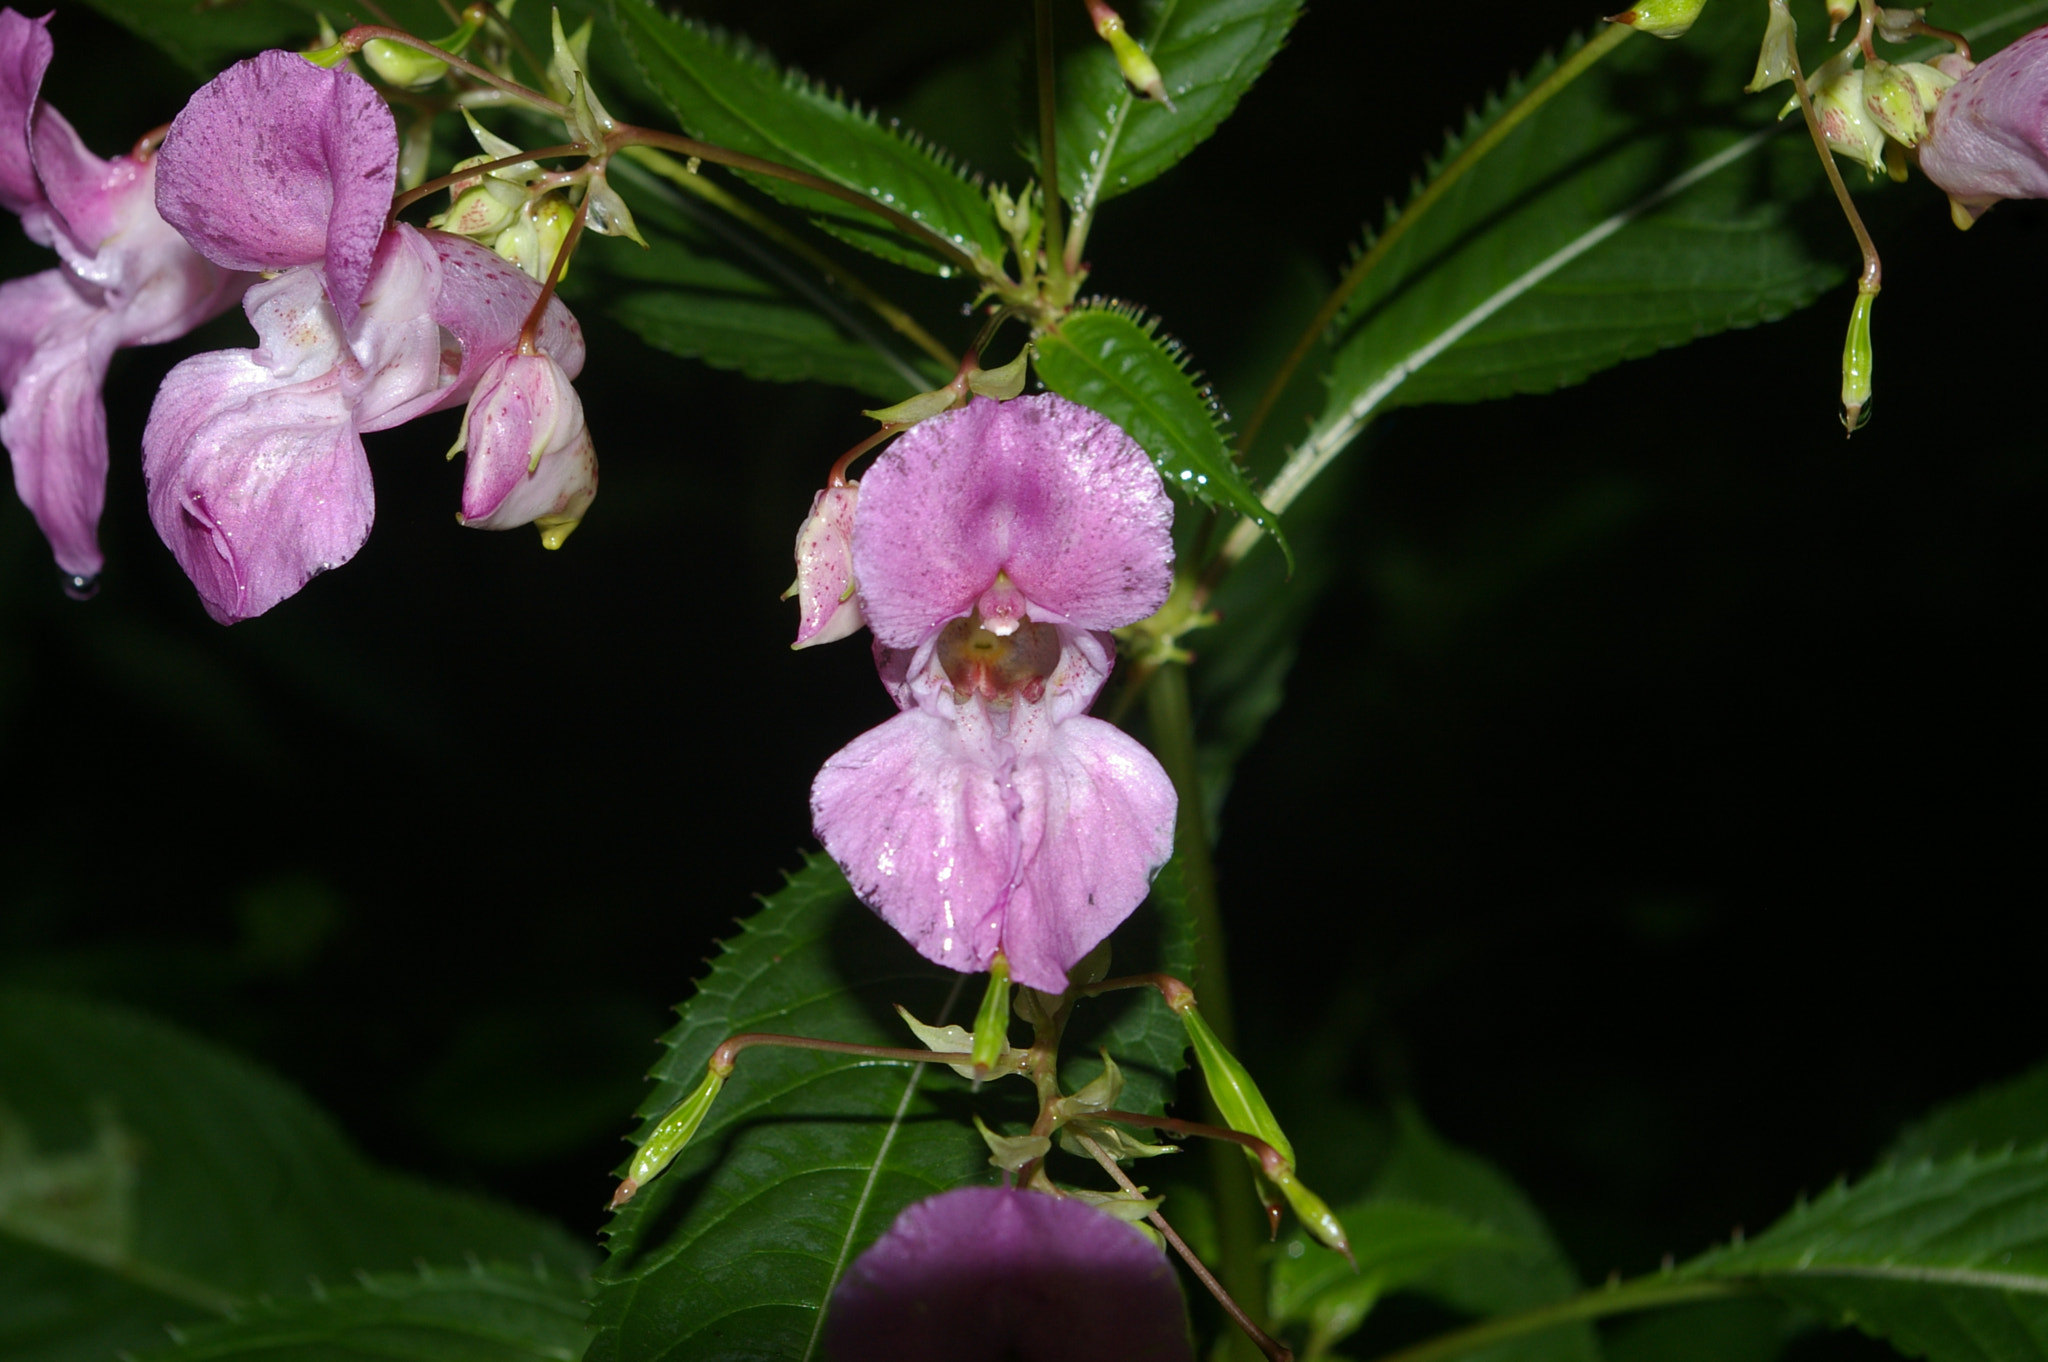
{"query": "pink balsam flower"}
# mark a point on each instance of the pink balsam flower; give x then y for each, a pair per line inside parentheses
(1988, 137)
(257, 474)
(996, 1274)
(126, 278)
(993, 546)
(827, 608)
(531, 461)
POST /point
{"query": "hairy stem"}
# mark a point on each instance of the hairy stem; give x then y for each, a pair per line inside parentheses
(1173, 736)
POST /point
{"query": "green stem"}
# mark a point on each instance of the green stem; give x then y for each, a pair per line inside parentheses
(1475, 151)
(1643, 1294)
(1173, 737)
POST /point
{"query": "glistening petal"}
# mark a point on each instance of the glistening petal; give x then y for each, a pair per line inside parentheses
(1041, 490)
(277, 162)
(916, 814)
(54, 348)
(1095, 824)
(25, 51)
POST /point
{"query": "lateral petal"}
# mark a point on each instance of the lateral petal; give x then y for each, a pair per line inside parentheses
(54, 348)
(919, 820)
(1095, 824)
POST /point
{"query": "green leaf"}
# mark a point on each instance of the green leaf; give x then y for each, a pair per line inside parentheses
(1395, 1243)
(807, 1157)
(147, 1178)
(1208, 52)
(726, 92)
(1947, 1261)
(1424, 1170)
(1648, 204)
(2013, 1113)
(1104, 357)
(1748, 1328)
(732, 1253)
(432, 1315)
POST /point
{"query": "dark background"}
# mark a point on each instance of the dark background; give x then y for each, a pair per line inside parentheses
(1649, 806)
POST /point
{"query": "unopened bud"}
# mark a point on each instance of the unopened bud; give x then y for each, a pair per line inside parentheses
(827, 608)
(1892, 98)
(1844, 117)
(669, 1138)
(406, 67)
(1856, 366)
(531, 461)
(992, 1021)
(1778, 58)
(482, 210)
(1138, 68)
(532, 241)
(1838, 10)
(1660, 18)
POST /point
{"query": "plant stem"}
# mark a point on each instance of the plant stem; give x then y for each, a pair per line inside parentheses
(1049, 151)
(1173, 736)
(1573, 67)
(1642, 1294)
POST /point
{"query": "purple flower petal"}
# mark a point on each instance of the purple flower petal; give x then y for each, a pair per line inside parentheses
(278, 162)
(1044, 492)
(54, 346)
(1988, 137)
(991, 1274)
(1095, 824)
(257, 477)
(87, 194)
(917, 815)
(25, 51)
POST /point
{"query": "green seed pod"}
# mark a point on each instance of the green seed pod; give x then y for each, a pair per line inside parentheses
(670, 1136)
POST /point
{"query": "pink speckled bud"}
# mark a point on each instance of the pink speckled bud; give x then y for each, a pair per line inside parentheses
(827, 609)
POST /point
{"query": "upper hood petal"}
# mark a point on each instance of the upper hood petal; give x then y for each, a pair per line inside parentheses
(277, 162)
(1046, 492)
(25, 50)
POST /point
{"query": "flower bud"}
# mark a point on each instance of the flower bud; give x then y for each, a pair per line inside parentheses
(1844, 115)
(531, 461)
(1139, 70)
(532, 241)
(1660, 18)
(1892, 97)
(406, 67)
(827, 608)
(482, 211)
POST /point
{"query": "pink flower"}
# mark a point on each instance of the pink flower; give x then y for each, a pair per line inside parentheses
(993, 545)
(126, 279)
(993, 1273)
(1988, 138)
(257, 474)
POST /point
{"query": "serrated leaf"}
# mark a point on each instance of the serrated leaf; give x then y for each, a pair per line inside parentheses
(777, 341)
(1750, 1328)
(1947, 1261)
(1622, 217)
(1208, 52)
(1422, 1169)
(732, 1253)
(2009, 1114)
(726, 92)
(147, 1178)
(1105, 358)
(432, 1315)
(1394, 1243)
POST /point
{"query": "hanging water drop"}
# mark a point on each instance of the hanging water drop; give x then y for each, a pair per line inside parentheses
(81, 586)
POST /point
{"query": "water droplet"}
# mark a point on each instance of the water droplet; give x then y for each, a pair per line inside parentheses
(81, 586)
(1123, 179)
(945, 271)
